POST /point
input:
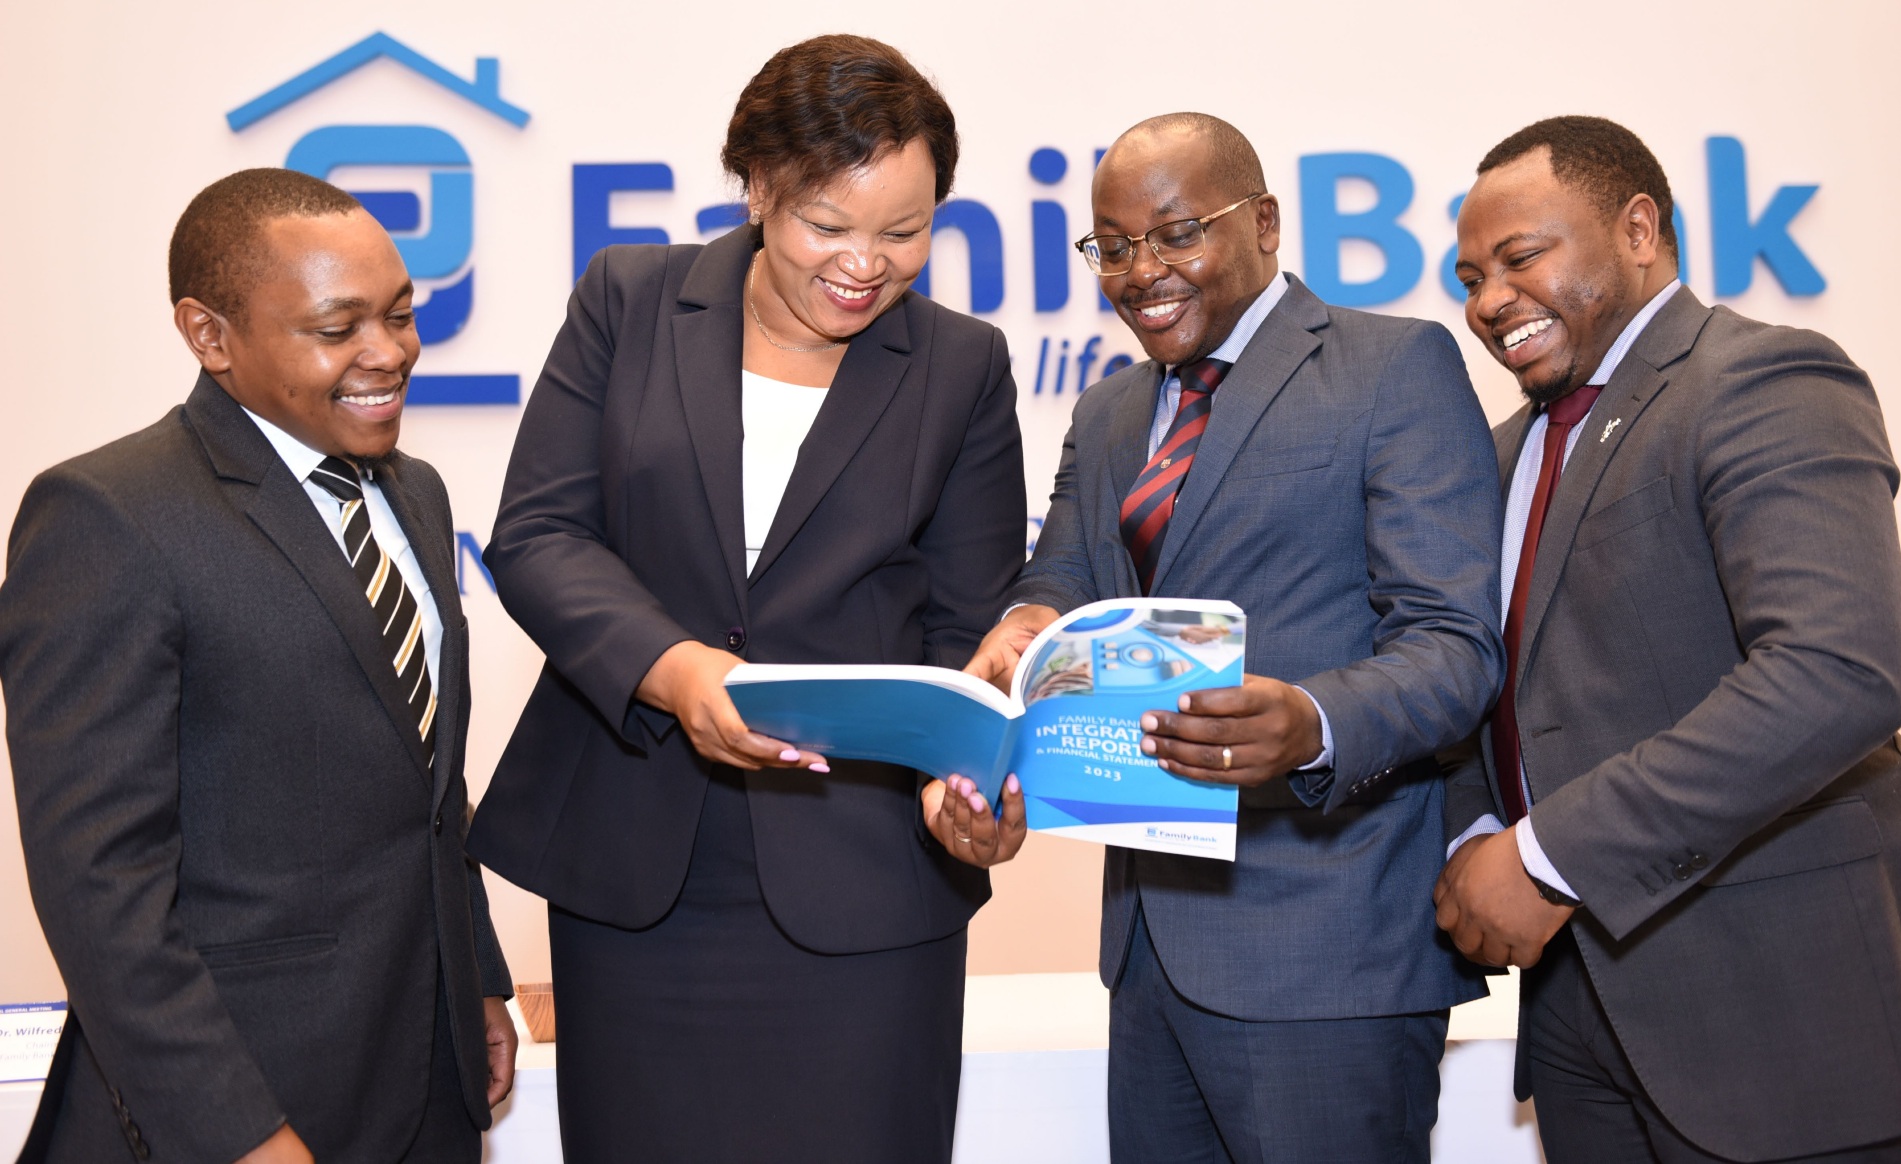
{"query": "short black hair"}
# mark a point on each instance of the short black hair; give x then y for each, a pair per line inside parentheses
(1237, 168)
(830, 105)
(1600, 159)
(218, 248)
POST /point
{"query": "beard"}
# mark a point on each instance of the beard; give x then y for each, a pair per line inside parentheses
(1555, 388)
(1605, 305)
(1605, 310)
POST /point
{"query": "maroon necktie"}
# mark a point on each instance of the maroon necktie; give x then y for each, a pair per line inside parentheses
(1560, 417)
(1150, 504)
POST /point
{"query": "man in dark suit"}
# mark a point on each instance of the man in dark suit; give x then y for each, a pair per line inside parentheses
(1704, 625)
(236, 678)
(1328, 471)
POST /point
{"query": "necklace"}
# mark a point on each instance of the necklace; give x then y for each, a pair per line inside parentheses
(752, 277)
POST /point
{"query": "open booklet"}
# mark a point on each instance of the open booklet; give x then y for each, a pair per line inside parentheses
(1070, 727)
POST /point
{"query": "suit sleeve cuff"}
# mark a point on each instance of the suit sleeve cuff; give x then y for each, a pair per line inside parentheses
(1536, 863)
(1043, 591)
(1484, 826)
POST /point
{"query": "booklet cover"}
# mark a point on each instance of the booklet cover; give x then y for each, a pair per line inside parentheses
(1070, 727)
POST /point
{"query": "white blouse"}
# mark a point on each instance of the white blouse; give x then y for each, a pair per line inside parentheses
(776, 416)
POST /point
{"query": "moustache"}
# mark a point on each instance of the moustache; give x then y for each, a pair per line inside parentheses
(1135, 303)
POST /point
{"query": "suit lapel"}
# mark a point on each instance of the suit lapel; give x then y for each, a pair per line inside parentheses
(1131, 420)
(1284, 342)
(1636, 382)
(1510, 439)
(707, 345)
(283, 511)
(868, 377)
(435, 555)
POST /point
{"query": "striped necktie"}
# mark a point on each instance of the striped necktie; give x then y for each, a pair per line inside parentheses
(1150, 504)
(390, 600)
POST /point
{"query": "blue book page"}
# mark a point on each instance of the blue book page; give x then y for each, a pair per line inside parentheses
(1078, 747)
(931, 726)
(1070, 729)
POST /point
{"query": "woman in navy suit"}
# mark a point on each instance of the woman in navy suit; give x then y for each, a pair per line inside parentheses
(765, 449)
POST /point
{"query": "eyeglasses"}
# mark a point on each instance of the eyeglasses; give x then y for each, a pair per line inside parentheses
(1180, 241)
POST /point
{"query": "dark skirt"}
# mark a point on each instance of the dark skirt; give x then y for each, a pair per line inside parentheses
(710, 1036)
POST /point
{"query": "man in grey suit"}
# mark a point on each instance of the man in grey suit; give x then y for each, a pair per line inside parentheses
(1704, 622)
(1328, 471)
(236, 679)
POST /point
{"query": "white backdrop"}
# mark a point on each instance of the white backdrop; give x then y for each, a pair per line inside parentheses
(116, 115)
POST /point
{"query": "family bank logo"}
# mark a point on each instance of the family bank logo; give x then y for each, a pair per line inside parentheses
(436, 235)
(437, 245)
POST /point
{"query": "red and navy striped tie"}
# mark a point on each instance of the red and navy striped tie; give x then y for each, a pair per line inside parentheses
(1145, 512)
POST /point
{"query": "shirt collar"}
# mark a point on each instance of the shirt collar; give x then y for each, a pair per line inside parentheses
(1250, 322)
(300, 458)
(1629, 335)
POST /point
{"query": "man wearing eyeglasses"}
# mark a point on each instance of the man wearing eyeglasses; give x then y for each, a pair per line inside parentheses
(1331, 472)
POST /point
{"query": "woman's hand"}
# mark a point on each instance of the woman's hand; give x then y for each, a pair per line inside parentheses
(960, 819)
(688, 682)
(996, 659)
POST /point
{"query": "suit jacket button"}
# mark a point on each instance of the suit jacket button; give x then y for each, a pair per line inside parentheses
(736, 639)
(1682, 872)
(438, 825)
(1699, 861)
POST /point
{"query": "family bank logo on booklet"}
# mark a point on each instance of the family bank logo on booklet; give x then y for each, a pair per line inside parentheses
(1070, 727)
(1187, 841)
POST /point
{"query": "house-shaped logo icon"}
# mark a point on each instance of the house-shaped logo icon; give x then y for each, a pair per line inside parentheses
(484, 91)
(438, 257)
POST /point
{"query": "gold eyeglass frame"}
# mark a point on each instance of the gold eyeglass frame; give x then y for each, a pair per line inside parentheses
(1202, 221)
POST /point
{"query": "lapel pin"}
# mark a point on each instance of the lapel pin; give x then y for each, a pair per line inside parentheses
(1609, 428)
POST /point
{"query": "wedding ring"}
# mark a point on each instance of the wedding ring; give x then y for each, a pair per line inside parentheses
(966, 840)
(1227, 759)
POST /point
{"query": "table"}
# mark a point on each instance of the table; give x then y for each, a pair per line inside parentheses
(1036, 1065)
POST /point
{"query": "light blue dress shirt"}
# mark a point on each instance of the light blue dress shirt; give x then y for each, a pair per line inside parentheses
(1531, 459)
(1168, 397)
(301, 459)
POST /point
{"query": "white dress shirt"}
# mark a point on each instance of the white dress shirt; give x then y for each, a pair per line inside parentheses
(776, 417)
(1531, 459)
(301, 459)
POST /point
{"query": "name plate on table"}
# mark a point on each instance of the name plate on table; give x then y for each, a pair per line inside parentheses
(28, 1033)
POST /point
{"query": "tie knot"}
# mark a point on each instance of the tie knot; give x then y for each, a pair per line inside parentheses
(339, 479)
(1204, 375)
(1568, 410)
